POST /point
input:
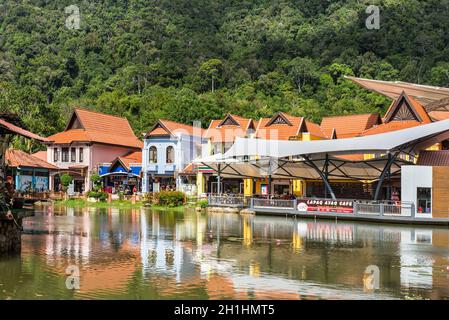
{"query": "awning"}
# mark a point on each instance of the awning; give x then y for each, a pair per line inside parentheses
(410, 140)
(324, 159)
(337, 168)
(393, 89)
(11, 128)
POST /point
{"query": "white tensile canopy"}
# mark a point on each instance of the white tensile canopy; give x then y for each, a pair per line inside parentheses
(327, 159)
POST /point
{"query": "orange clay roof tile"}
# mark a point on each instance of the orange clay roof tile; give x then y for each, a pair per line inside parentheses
(434, 158)
(268, 128)
(131, 158)
(439, 115)
(220, 132)
(349, 126)
(18, 158)
(40, 155)
(20, 131)
(391, 126)
(99, 128)
(167, 127)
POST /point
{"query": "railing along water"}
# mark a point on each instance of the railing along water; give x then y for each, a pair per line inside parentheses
(273, 203)
(226, 200)
(385, 208)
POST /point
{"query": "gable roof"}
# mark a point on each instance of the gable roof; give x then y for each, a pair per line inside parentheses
(406, 108)
(348, 126)
(18, 158)
(283, 126)
(229, 128)
(11, 128)
(390, 126)
(439, 115)
(133, 157)
(95, 127)
(40, 155)
(169, 128)
(434, 158)
(129, 163)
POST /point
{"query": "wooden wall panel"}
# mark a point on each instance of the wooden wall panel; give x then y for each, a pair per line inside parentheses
(440, 192)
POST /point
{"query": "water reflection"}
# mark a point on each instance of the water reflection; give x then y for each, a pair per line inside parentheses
(145, 254)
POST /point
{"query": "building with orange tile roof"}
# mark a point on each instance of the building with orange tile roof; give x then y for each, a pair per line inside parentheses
(219, 137)
(283, 126)
(169, 147)
(339, 127)
(29, 172)
(90, 138)
(222, 133)
(123, 173)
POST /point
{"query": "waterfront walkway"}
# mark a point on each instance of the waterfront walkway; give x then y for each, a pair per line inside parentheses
(342, 209)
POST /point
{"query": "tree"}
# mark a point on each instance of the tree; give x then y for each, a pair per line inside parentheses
(212, 69)
(66, 180)
(95, 179)
(302, 71)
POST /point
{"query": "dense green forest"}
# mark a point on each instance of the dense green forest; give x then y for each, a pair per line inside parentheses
(199, 59)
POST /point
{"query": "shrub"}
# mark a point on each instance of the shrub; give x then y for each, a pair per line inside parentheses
(203, 203)
(171, 198)
(95, 178)
(100, 195)
(165, 198)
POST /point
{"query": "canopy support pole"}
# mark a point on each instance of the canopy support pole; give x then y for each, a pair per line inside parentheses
(219, 180)
(322, 175)
(269, 178)
(326, 172)
(384, 173)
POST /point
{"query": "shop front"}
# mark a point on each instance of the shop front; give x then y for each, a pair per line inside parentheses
(31, 179)
(78, 185)
(117, 177)
(227, 185)
(158, 183)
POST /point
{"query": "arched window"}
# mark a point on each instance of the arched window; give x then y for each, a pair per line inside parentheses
(153, 154)
(170, 154)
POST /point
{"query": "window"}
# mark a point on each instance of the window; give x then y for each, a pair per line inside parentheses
(153, 154)
(170, 154)
(424, 203)
(81, 155)
(65, 155)
(73, 154)
(55, 155)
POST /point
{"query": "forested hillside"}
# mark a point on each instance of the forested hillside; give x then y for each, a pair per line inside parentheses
(199, 59)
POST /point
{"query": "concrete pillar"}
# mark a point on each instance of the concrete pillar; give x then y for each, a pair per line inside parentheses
(248, 185)
(200, 183)
(298, 188)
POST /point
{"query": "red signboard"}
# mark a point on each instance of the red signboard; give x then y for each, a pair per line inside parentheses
(321, 205)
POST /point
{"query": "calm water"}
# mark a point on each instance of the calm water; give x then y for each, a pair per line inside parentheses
(145, 254)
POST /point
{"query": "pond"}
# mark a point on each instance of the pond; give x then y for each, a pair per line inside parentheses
(92, 253)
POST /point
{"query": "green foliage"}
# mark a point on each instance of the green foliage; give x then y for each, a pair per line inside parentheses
(203, 203)
(165, 198)
(198, 60)
(100, 195)
(171, 198)
(95, 178)
(66, 180)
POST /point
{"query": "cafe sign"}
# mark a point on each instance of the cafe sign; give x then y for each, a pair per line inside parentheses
(321, 205)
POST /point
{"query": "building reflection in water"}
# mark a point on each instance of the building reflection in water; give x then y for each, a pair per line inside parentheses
(237, 256)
